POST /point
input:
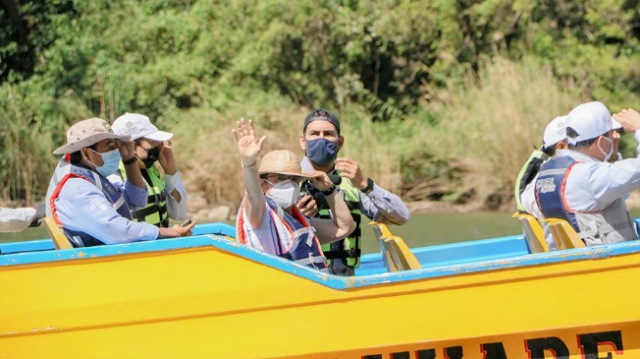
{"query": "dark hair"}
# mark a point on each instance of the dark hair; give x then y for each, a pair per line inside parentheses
(76, 157)
(584, 144)
(549, 151)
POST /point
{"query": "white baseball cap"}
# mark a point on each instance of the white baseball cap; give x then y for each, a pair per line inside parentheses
(590, 120)
(139, 126)
(555, 132)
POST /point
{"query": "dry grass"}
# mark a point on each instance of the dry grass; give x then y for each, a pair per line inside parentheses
(483, 134)
(490, 126)
(210, 161)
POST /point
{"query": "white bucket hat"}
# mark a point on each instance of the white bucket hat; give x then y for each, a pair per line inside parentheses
(590, 120)
(139, 126)
(86, 133)
(555, 132)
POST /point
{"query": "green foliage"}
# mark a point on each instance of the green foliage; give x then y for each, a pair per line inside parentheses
(399, 71)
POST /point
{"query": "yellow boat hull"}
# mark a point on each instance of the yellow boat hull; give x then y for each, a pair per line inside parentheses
(205, 297)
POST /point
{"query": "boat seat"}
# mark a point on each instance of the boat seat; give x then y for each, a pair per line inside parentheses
(563, 234)
(395, 253)
(60, 241)
(533, 232)
(380, 229)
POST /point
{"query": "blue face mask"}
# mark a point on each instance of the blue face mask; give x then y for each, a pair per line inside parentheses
(111, 161)
(322, 151)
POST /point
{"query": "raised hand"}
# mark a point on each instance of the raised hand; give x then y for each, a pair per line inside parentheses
(321, 180)
(629, 119)
(249, 146)
(166, 159)
(351, 169)
(127, 149)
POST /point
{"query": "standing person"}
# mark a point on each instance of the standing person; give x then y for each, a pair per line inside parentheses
(268, 219)
(581, 186)
(91, 210)
(321, 141)
(167, 195)
(18, 219)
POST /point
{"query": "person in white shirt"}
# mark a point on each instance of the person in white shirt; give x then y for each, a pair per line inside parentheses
(90, 209)
(554, 139)
(582, 186)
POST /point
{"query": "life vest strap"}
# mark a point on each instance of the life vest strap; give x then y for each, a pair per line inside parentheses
(311, 260)
(350, 253)
(594, 231)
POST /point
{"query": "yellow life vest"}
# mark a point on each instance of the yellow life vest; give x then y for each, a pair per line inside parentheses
(156, 210)
(348, 249)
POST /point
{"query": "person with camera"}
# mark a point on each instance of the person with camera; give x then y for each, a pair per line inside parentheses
(321, 141)
(268, 219)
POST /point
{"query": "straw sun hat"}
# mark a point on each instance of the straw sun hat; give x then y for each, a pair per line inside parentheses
(86, 133)
(281, 162)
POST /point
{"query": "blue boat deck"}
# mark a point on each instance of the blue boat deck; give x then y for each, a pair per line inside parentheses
(454, 253)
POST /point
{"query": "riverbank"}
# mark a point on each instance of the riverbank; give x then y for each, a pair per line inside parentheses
(202, 212)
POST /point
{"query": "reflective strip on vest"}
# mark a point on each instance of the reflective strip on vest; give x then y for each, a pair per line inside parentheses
(349, 247)
(527, 173)
(111, 193)
(295, 237)
(610, 225)
(155, 212)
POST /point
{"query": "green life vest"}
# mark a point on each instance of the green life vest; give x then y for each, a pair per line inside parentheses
(348, 248)
(156, 210)
(527, 174)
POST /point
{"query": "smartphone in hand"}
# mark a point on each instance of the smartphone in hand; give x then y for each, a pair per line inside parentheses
(186, 223)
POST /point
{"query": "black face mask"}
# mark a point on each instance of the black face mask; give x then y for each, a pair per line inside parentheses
(152, 156)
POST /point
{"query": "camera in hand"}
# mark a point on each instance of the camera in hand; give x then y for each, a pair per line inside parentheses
(308, 188)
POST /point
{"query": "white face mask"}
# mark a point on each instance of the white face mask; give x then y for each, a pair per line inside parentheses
(607, 155)
(111, 161)
(284, 193)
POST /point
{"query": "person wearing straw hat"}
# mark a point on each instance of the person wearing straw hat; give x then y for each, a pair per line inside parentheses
(90, 209)
(581, 186)
(268, 219)
(167, 195)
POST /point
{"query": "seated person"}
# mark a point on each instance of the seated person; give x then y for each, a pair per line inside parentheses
(91, 210)
(268, 219)
(581, 186)
(167, 195)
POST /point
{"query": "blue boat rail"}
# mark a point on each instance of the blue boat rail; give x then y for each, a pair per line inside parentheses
(437, 261)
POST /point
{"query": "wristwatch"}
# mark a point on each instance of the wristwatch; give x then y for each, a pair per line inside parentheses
(329, 191)
(369, 187)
